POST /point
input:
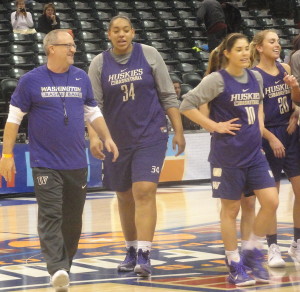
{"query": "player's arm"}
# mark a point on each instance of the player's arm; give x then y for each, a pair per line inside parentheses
(204, 108)
(291, 81)
(294, 64)
(7, 162)
(166, 95)
(195, 105)
(275, 144)
(294, 118)
(97, 128)
(227, 127)
(179, 140)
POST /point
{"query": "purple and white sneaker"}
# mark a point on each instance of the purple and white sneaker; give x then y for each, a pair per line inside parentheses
(143, 265)
(130, 261)
(254, 259)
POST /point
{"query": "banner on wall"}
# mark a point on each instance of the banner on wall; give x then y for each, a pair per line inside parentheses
(23, 181)
(190, 165)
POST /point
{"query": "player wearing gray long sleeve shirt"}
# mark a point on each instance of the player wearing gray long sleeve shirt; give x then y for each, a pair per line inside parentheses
(132, 85)
(164, 85)
(209, 88)
(242, 104)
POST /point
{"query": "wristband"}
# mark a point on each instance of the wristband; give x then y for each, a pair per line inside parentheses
(7, 155)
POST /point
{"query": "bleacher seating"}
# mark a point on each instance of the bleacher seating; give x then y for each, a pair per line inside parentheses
(191, 78)
(170, 26)
(185, 88)
(175, 77)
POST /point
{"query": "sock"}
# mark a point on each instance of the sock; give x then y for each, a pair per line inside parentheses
(296, 234)
(144, 245)
(271, 239)
(133, 243)
(232, 256)
(254, 242)
(244, 243)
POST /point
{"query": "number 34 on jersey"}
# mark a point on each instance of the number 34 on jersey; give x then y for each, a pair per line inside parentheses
(128, 90)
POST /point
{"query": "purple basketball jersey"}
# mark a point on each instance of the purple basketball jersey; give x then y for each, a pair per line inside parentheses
(131, 105)
(238, 100)
(277, 98)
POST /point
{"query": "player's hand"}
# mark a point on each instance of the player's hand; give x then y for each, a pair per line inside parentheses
(228, 127)
(7, 168)
(96, 147)
(290, 80)
(179, 142)
(277, 147)
(112, 147)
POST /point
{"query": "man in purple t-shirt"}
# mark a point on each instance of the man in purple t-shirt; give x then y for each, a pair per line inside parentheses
(58, 98)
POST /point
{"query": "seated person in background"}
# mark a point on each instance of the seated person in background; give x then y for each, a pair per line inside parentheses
(177, 87)
(48, 20)
(21, 20)
(186, 122)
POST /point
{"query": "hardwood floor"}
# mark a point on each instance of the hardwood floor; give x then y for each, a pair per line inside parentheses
(187, 253)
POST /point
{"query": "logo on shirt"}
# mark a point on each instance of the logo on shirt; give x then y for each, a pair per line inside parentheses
(217, 172)
(245, 90)
(42, 180)
(61, 91)
(125, 77)
(78, 79)
(276, 82)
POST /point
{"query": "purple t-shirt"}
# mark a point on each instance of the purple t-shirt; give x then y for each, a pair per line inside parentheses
(238, 100)
(131, 106)
(277, 98)
(40, 93)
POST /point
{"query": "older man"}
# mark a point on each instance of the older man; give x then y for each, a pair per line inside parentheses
(58, 98)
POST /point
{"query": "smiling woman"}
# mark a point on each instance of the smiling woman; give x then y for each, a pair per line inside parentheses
(234, 95)
(281, 131)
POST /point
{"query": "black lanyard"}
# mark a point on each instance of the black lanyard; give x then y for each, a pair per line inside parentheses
(62, 97)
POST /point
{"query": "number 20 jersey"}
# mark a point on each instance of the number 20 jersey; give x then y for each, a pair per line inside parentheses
(277, 98)
(131, 105)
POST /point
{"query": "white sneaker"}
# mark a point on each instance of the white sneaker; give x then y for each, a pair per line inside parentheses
(294, 250)
(274, 257)
(60, 280)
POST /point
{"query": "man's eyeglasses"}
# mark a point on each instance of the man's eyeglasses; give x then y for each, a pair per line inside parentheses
(69, 46)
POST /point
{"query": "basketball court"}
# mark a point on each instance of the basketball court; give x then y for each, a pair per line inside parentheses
(187, 253)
